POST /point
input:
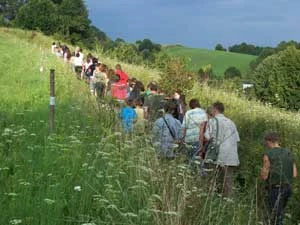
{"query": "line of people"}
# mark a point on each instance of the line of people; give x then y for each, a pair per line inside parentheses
(202, 134)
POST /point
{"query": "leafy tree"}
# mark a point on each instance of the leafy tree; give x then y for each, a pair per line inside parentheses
(74, 23)
(176, 77)
(38, 15)
(10, 8)
(232, 72)
(277, 79)
(245, 48)
(219, 47)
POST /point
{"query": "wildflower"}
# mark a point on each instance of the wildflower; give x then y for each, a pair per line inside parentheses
(15, 221)
(77, 188)
(88, 224)
(49, 201)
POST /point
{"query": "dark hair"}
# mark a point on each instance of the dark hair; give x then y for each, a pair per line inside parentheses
(77, 54)
(138, 102)
(194, 103)
(170, 107)
(272, 136)
(129, 102)
(219, 106)
(53, 43)
(153, 87)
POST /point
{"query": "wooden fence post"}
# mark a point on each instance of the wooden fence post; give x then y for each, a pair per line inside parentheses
(52, 100)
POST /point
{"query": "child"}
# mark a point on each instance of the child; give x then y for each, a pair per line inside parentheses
(128, 117)
(140, 122)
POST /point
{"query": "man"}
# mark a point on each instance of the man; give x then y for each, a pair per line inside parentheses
(278, 171)
(223, 132)
(193, 120)
(166, 132)
(153, 104)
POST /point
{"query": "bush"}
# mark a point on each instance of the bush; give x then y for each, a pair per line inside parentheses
(277, 79)
(232, 72)
(176, 77)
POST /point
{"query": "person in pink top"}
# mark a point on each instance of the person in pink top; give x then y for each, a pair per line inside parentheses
(119, 89)
(123, 76)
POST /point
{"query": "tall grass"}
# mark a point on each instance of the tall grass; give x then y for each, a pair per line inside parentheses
(89, 173)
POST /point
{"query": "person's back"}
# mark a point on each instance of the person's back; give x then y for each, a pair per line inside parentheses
(166, 132)
(281, 170)
(154, 106)
(128, 117)
(119, 90)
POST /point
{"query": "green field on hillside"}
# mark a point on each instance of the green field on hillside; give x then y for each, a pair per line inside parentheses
(87, 172)
(219, 60)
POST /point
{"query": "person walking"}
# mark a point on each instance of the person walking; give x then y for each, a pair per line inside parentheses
(277, 171)
(222, 132)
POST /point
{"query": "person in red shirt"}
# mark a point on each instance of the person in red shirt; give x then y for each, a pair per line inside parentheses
(118, 89)
(123, 76)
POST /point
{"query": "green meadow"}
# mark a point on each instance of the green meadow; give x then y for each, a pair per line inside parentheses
(88, 172)
(219, 60)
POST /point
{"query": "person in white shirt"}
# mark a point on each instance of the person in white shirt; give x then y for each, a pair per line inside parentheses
(227, 140)
(53, 47)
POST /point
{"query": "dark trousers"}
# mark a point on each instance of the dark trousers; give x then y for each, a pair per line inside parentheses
(100, 88)
(277, 198)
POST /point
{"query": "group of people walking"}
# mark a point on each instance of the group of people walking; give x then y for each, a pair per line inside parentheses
(207, 135)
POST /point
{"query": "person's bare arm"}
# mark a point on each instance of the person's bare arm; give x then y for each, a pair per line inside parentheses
(295, 172)
(264, 173)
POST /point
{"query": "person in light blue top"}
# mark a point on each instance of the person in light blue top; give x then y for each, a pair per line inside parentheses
(128, 116)
(166, 132)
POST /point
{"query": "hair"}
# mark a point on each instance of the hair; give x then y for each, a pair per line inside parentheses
(219, 106)
(53, 43)
(170, 107)
(118, 67)
(77, 54)
(129, 102)
(194, 103)
(272, 136)
(153, 87)
(138, 102)
(209, 111)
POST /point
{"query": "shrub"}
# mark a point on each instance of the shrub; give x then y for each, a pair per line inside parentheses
(232, 72)
(176, 77)
(277, 79)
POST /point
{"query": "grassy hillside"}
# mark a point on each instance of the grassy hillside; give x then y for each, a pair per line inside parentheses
(219, 60)
(88, 173)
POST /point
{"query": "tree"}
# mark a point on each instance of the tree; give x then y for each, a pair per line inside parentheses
(277, 79)
(176, 77)
(38, 15)
(219, 47)
(10, 8)
(74, 23)
(232, 72)
(245, 48)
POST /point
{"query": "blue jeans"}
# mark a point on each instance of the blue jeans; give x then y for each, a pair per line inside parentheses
(277, 199)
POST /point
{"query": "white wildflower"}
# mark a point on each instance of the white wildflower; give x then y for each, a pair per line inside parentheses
(49, 201)
(15, 221)
(77, 188)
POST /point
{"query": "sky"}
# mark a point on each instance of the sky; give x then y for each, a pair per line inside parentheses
(198, 23)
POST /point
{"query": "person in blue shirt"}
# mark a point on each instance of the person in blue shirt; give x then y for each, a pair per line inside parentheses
(128, 116)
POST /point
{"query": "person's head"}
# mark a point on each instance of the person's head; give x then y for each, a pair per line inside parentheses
(170, 107)
(153, 87)
(98, 67)
(177, 94)
(103, 68)
(77, 55)
(118, 67)
(139, 86)
(129, 102)
(194, 103)
(271, 139)
(138, 102)
(218, 108)
(53, 43)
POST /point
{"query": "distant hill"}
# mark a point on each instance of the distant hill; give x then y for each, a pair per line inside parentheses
(218, 59)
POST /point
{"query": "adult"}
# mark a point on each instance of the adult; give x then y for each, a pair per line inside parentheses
(154, 103)
(123, 76)
(53, 47)
(166, 132)
(78, 63)
(118, 89)
(137, 90)
(179, 99)
(100, 80)
(278, 171)
(193, 120)
(222, 131)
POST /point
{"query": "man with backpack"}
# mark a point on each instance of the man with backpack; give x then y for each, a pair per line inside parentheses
(223, 148)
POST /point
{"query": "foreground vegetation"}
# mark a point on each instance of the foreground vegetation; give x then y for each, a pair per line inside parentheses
(88, 173)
